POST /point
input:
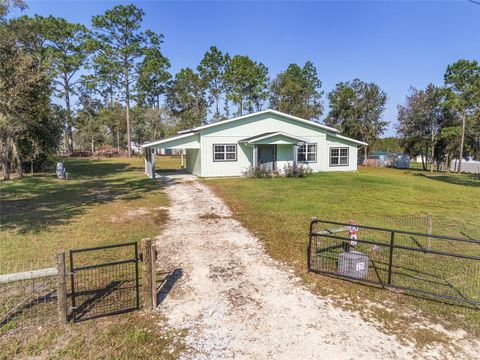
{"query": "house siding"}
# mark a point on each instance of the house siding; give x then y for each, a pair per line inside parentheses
(234, 132)
(193, 163)
(199, 146)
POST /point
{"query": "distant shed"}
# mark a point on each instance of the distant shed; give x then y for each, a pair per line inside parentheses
(385, 159)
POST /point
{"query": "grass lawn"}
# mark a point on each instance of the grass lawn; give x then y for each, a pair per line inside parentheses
(278, 210)
(105, 202)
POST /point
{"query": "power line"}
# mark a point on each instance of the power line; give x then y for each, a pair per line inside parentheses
(475, 2)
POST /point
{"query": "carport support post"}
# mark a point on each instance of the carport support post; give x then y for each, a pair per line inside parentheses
(61, 288)
(255, 156)
(147, 274)
(153, 162)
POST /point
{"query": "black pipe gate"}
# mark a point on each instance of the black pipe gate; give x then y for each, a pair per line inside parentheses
(434, 265)
(107, 287)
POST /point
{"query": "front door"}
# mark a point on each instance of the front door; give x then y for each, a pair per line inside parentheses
(267, 156)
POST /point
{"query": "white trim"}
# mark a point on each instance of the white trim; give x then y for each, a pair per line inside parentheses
(268, 111)
(350, 139)
(278, 133)
(162, 141)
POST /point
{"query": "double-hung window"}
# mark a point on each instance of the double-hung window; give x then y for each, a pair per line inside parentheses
(339, 156)
(225, 152)
(307, 153)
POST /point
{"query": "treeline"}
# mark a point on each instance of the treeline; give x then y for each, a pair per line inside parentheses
(442, 123)
(115, 88)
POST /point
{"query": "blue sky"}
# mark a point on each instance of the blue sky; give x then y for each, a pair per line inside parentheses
(395, 44)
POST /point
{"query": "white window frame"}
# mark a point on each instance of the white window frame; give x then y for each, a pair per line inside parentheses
(224, 152)
(339, 156)
(307, 152)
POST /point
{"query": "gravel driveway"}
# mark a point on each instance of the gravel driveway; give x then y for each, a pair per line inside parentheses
(239, 303)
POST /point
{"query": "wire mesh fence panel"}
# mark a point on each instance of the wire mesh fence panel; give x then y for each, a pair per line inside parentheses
(103, 288)
(28, 294)
(441, 266)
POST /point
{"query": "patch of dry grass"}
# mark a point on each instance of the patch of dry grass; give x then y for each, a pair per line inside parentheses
(279, 212)
(105, 202)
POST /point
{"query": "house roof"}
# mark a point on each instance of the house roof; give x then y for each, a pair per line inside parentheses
(268, 111)
(350, 139)
(268, 135)
(171, 138)
(189, 132)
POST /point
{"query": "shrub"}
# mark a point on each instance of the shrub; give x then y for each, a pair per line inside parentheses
(295, 170)
(108, 151)
(81, 154)
(257, 172)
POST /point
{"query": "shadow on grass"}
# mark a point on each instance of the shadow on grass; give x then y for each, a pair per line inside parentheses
(34, 204)
(456, 179)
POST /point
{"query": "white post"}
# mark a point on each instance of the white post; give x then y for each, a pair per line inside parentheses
(255, 156)
(181, 158)
(295, 154)
(153, 163)
(147, 156)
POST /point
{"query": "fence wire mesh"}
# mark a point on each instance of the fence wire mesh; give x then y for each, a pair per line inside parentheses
(105, 290)
(103, 281)
(26, 301)
(425, 263)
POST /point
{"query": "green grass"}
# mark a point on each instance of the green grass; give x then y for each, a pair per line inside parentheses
(279, 210)
(41, 214)
(105, 202)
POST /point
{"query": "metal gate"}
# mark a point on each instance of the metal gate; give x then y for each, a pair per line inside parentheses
(104, 281)
(433, 265)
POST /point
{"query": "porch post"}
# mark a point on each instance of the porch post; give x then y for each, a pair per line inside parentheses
(255, 155)
(153, 153)
(295, 154)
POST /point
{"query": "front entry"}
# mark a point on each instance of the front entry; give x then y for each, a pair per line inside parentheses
(267, 156)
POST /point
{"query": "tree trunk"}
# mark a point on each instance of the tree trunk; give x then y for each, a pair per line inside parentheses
(447, 162)
(240, 105)
(68, 120)
(433, 149)
(118, 136)
(462, 140)
(127, 110)
(4, 155)
(217, 103)
(92, 145)
(17, 159)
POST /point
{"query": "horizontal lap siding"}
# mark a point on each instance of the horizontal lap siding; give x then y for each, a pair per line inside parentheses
(194, 161)
(232, 133)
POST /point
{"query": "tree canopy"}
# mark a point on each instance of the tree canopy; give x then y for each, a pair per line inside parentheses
(296, 91)
(356, 109)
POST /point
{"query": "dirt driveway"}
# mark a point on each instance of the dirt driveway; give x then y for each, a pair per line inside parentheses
(239, 303)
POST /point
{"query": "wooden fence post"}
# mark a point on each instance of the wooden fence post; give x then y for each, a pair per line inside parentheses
(429, 230)
(147, 274)
(61, 288)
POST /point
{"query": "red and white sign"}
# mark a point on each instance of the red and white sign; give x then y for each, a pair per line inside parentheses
(353, 232)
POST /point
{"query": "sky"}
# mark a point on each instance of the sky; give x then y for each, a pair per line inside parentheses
(396, 44)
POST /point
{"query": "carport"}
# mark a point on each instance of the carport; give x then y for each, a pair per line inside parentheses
(189, 141)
